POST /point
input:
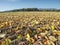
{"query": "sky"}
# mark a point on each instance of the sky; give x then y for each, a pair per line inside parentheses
(17, 4)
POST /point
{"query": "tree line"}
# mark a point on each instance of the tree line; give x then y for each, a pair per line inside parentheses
(33, 9)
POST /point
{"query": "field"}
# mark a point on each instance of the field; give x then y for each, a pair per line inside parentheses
(30, 28)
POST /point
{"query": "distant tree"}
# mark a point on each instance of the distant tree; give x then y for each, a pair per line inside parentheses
(33, 9)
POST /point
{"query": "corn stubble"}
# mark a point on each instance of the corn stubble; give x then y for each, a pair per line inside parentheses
(30, 28)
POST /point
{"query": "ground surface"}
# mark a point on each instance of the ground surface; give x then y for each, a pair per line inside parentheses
(30, 28)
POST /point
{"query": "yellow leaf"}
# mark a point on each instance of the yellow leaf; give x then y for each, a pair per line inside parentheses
(32, 40)
(28, 37)
(57, 32)
(52, 27)
(19, 36)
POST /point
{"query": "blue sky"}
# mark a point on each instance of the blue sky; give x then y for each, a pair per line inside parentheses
(16, 4)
